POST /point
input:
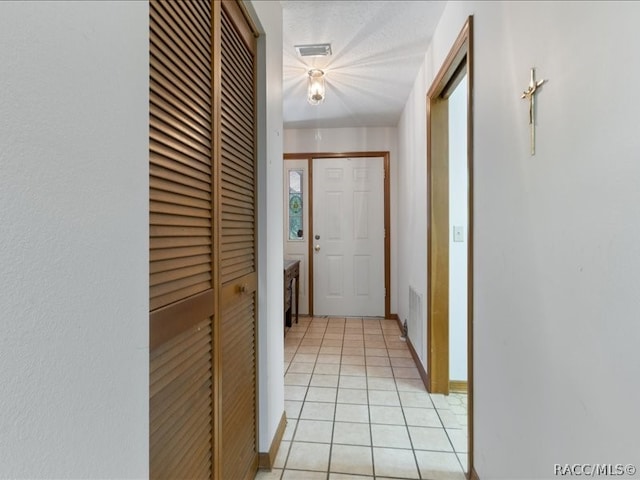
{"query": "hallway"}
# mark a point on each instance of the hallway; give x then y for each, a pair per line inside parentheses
(357, 408)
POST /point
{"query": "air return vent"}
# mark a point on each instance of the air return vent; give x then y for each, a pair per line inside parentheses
(314, 50)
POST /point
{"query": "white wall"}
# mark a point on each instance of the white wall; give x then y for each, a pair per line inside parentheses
(412, 210)
(362, 139)
(74, 351)
(458, 217)
(268, 16)
(557, 257)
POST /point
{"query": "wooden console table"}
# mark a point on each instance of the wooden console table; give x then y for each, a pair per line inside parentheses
(291, 272)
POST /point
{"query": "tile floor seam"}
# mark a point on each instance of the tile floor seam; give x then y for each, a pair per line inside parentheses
(335, 412)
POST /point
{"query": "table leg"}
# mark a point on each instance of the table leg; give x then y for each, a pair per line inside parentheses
(297, 297)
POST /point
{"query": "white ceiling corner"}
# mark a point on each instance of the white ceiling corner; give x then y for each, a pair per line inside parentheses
(378, 48)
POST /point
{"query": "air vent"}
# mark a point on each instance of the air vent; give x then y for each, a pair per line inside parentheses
(314, 50)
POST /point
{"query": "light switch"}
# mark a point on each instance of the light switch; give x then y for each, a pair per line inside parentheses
(458, 233)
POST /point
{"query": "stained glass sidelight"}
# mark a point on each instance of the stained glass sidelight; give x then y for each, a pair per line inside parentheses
(296, 231)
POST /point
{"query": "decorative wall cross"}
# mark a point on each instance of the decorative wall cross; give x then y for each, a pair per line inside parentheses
(529, 94)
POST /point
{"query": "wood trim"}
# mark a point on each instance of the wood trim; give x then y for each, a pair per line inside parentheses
(267, 459)
(473, 475)
(438, 245)
(394, 316)
(470, 244)
(302, 156)
(454, 58)
(387, 214)
(216, 151)
(310, 242)
(240, 19)
(424, 376)
(460, 57)
(387, 236)
(458, 386)
(190, 311)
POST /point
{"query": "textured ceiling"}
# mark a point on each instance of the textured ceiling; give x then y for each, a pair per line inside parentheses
(378, 47)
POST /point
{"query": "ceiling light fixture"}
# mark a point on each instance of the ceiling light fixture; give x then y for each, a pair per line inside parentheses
(315, 94)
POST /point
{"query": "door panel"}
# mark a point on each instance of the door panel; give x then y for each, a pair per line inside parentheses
(237, 224)
(348, 216)
(181, 241)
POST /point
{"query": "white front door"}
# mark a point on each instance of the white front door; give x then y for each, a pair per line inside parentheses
(348, 236)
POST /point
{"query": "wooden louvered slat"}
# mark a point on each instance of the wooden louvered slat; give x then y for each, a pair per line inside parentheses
(238, 385)
(198, 23)
(181, 241)
(182, 283)
(173, 262)
(235, 177)
(174, 175)
(168, 208)
(235, 119)
(178, 220)
(158, 256)
(228, 194)
(180, 398)
(192, 37)
(162, 243)
(177, 68)
(188, 47)
(161, 184)
(179, 294)
(171, 74)
(240, 136)
(163, 114)
(235, 246)
(169, 381)
(179, 199)
(233, 182)
(235, 150)
(239, 119)
(174, 101)
(175, 146)
(175, 162)
(239, 210)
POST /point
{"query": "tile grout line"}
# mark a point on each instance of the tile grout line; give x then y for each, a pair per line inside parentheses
(366, 376)
(335, 406)
(406, 425)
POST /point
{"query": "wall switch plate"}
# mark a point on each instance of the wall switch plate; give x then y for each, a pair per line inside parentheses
(458, 233)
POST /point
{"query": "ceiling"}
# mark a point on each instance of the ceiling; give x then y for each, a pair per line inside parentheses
(378, 48)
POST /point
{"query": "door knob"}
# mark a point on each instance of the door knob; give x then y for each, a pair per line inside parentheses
(243, 289)
(317, 248)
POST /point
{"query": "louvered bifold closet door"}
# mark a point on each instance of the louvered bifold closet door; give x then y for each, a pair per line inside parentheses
(181, 240)
(237, 245)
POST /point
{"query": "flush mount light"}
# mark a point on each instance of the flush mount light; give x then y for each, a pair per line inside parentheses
(315, 93)
(314, 50)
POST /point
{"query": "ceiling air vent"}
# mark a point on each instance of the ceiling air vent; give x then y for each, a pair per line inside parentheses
(315, 50)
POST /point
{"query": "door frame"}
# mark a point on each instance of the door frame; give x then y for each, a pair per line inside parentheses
(387, 216)
(459, 59)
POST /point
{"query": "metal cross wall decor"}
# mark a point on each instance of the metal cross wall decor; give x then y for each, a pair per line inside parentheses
(529, 94)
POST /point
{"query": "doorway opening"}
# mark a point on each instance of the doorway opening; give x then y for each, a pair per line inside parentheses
(450, 226)
(300, 236)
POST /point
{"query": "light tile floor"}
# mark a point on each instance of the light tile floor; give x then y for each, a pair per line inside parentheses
(357, 408)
